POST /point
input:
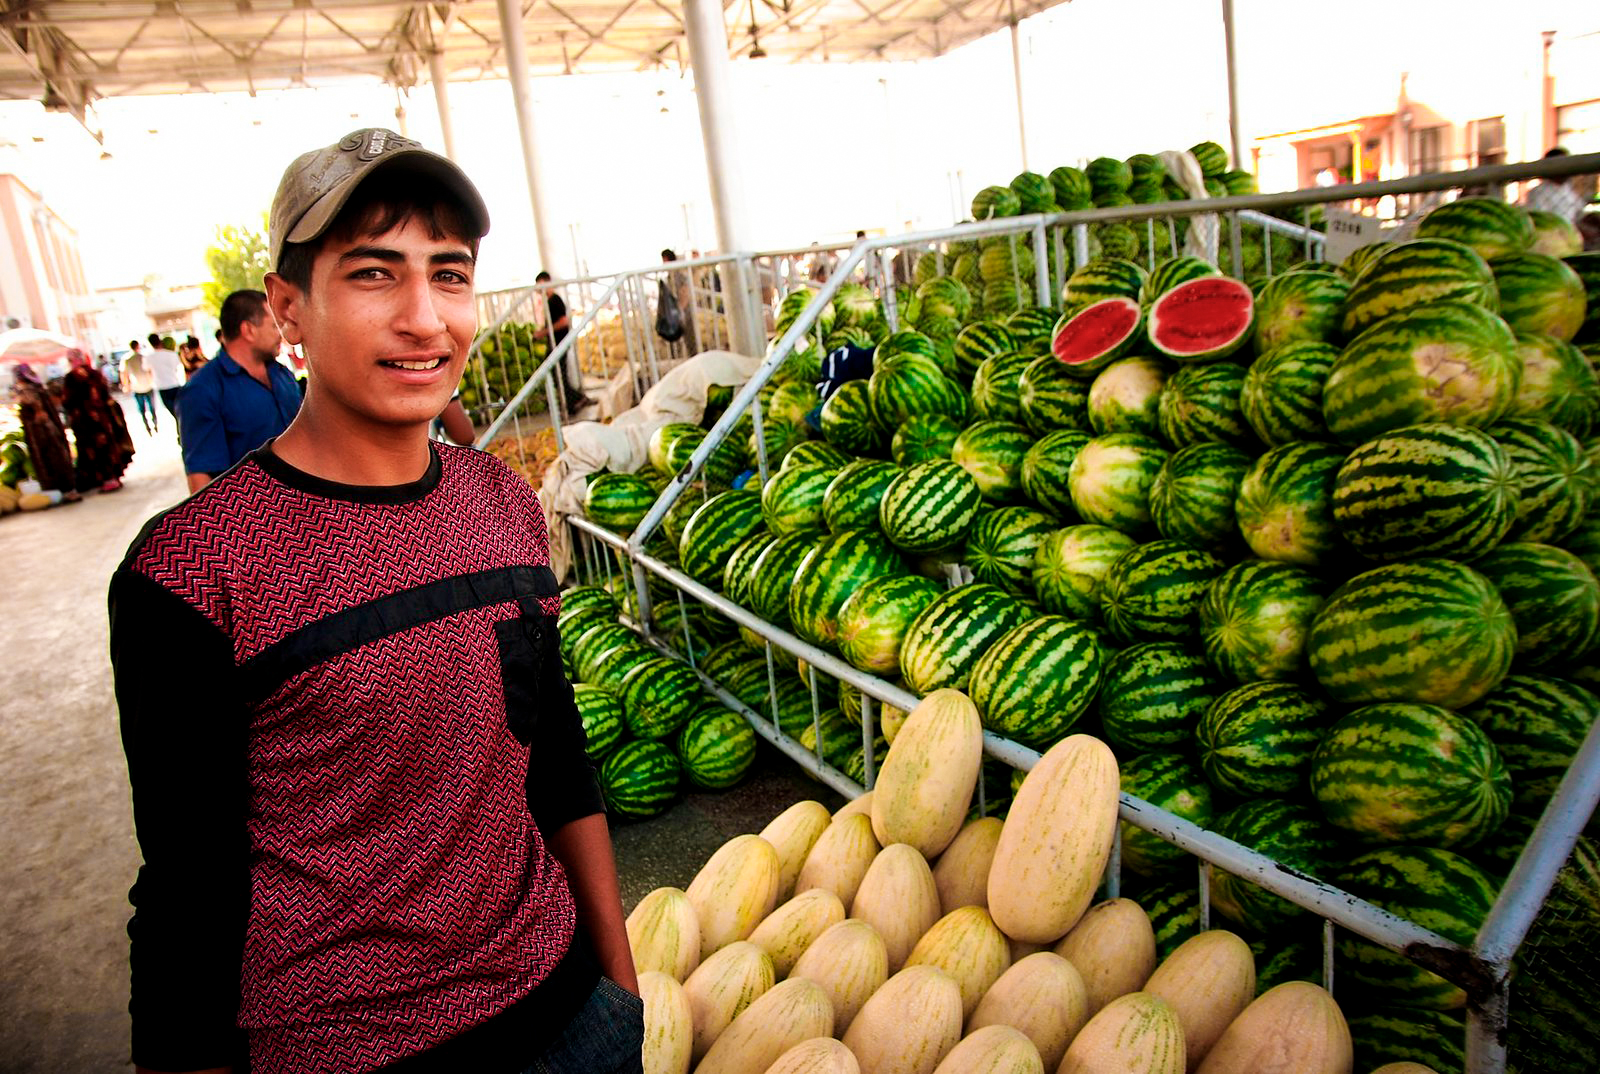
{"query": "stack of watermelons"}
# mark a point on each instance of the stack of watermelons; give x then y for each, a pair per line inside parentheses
(506, 359)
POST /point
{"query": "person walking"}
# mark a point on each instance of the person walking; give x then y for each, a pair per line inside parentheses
(241, 400)
(192, 357)
(558, 322)
(99, 431)
(138, 380)
(371, 836)
(166, 369)
(48, 450)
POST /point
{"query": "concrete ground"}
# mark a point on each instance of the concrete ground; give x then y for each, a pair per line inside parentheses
(67, 852)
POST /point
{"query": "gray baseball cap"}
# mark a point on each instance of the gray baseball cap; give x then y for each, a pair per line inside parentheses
(319, 183)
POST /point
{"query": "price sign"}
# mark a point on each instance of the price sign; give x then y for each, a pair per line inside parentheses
(1348, 232)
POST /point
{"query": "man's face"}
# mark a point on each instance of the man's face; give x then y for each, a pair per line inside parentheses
(263, 336)
(386, 325)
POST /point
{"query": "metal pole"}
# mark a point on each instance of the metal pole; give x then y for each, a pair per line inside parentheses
(516, 49)
(441, 99)
(1233, 84)
(1016, 71)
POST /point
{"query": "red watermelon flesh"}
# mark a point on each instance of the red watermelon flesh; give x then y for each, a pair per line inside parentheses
(1203, 319)
(1097, 335)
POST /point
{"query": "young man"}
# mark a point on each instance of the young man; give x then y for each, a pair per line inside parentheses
(371, 838)
(557, 324)
(167, 370)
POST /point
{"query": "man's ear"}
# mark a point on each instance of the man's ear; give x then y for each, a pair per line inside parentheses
(284, 301)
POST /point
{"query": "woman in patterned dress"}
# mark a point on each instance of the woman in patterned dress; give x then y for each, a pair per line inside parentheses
(98, 427)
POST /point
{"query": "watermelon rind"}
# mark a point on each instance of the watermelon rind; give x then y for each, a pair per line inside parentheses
(997, 386)
(874, 620)
(1089, 339)
(1046, 469)
(1256, 617)
(1202, 320)
(1539, 294)
(992, 452)
(1052, 398)
(1037, 679)
(834, 569)
(943, 643)
(924, 437)
(1554, 600)
(1299, 307)
(853, 497)
(1552, 477)
(1203, 404)
(1069, 566)
(1110, 479)
(1409, 275)
(791, 500)
(1258, 740)
(1558, 385)
(1490, 226)
(717, 747)
(1194, 494)
(1285, 505)
(1282, 396)
(1153, 592)
(1126, 397)
(1001, 545)
(640, 779)
(600, 712)
(929, 507)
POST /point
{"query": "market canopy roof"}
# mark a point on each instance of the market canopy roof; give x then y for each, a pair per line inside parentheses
(68, 52)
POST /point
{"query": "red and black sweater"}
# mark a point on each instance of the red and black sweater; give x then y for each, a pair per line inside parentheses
(328, 695)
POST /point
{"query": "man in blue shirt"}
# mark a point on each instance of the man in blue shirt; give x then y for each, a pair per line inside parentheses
(242, 399)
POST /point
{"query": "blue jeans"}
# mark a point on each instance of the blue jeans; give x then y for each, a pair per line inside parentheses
(604, 1037)
(146, 401)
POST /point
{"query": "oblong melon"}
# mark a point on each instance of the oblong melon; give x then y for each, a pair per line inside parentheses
(861, 803)
(1042, 995)
(723, 986)
(734, 890)
(1137, 1032)
(840, 858)
(926, 782)
(819, 1055)
(909, 1025)
(966, 945)
(1113, 947)
(1295, 1028)
(792, 834)
(1209, 981)
(993, 1050)
(898, 898)
(794, 926)
(664, 934)
(784, 1016)
(849, 962)
(962, 872)
(668, 1024)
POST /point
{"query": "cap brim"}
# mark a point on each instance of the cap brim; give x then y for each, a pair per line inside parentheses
(315, 220)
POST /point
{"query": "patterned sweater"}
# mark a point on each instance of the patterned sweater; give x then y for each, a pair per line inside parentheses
(327, 695)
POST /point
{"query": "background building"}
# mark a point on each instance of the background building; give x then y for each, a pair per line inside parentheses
(42, 282)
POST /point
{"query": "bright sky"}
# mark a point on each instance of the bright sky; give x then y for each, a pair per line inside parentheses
(827, 149)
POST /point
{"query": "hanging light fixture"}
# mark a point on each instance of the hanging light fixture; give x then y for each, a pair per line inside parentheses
(756, 51)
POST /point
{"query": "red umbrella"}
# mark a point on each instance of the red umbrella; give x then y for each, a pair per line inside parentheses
(35, 347)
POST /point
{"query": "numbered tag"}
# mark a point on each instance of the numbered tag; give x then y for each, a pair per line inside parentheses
(1348, 232)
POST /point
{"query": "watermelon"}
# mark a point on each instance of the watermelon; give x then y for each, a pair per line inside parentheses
(678, 515)
(1051, 398)
(929, 507)
(1539, 294)
(1194, 492)
(946, 304)
(1491, 227)
(1174, 911)
(1126, 397)
(1212, 158)
(992, 452)
(1285, 505)
(1174, 271)
(778, 438)
(1432, 1039)
(772, 576)
(1298, 959)
(834, 569)
(1069, 566)
(1201, 404)
(1152, 592)
(658, 697)
(1554, 234)
(1285, 831)
(1551, 475)
(1434, 888)
(573, 622)
(1430, 631)
(995, 201)
(599, 641)
(601, 715)
(739, 572)
(1089, 339)
(1110, 480)
(1554, 601)
(979, 342)
(1034, 192)
(1001, 546)
(1412, 274)
(943, 644)
(715, 530)
(717, 747)
(1282, 395)
(1102, 278)
(1037, 679)
(663, 439)
(1108, 173)
(1537, 723)
(1426, 490)
(618, 502)
(1299, 307)
(1256, 617)
(1046, 468)
(815, 453)
(906, 341)
(791, 500)
(1587, 266)
(1072, 188)
(1031, 329)
(924, 437)
(832, 738)
(1359, 259)
(848, 422)
(997, 386)
(640, 779)
(1558, 385)
(874, 620)
(791, 402)
(912, 384)
(852, 498)
(1168, 781)
(1258, 740)
(853, 304)
(1202, 320)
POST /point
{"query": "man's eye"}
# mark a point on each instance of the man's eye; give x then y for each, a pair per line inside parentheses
(451, 276)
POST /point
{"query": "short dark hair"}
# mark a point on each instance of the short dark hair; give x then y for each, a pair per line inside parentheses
(239, 307)
(1558, 151)
(133, 344)
(542, 277)
(191, 341)
(154, 340)
(378, 205)
(669, 255)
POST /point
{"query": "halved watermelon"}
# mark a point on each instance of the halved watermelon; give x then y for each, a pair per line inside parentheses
(1202, 320)
(1096, 335)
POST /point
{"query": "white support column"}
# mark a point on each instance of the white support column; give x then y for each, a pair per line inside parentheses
(708, 54)
(1016, 71)
(441, 98)
(516, 50)
(1234, 133)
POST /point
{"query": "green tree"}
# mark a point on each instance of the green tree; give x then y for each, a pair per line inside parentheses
(238, 261)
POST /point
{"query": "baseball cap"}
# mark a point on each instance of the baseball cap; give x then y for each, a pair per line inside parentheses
(319, 183)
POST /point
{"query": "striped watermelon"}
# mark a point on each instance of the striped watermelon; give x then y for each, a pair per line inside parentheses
(1539, 294)
(848, 422)
(1031, 329)
(1285, 505)
(1414, 774)
(1201, 320)
(997, 386)
(1448, 361)
(1554, 234)
(1417, 273)
(1489, 226)
(601, 715)
(832, 737)
(778, 438)
(658, 697)
(1110, 481)
(1102, 278)
(1046, 466)
(1152, 592)
(715, 530)
(1194, 493)
(980, 341)
(1258, 740)
(1587, 266)
(911, 384)
(678, 515)
(1037, 679)
(1554, 601)
(1430, 631)
(1426, 490)
(830, 572)
(852, 498)
(723, 658)
(594, 644)
(772, 576)
(1212, 158)
(1108, 174)
(1282, 396)
(573, 622)
(661, 442)
(614, 668)
(1051, 398)
(1069, 566)
(1299, 307)
(1537, 722)
(1434, 888)
(946, 297)
(791, 402)
(1175, 270)
(739, 572)
(943, 643)
(1289, 833)
(906, 341)
(1174, 911)
(1167, 781)
(1431, 1039)
(874, 620)
(930, 506)
(992, 452)
(1552, 476)
(1361, 258)
(1002, 543)
(640, 779)
(1089, 339)
(924, 437)
(587, 596)
(818, 453)
(1153, 695)
(995, 201)
(791, 500)
(1126, 397)
(1297, 959)
(1558, 385)
(1255, 619)
(717, 747)
(618, 502)
(1071, 186)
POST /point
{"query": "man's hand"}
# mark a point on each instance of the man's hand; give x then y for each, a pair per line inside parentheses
(198, 482)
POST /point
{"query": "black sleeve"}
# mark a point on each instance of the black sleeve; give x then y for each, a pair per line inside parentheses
(561, 782)
(558, 308)
(184, 733)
